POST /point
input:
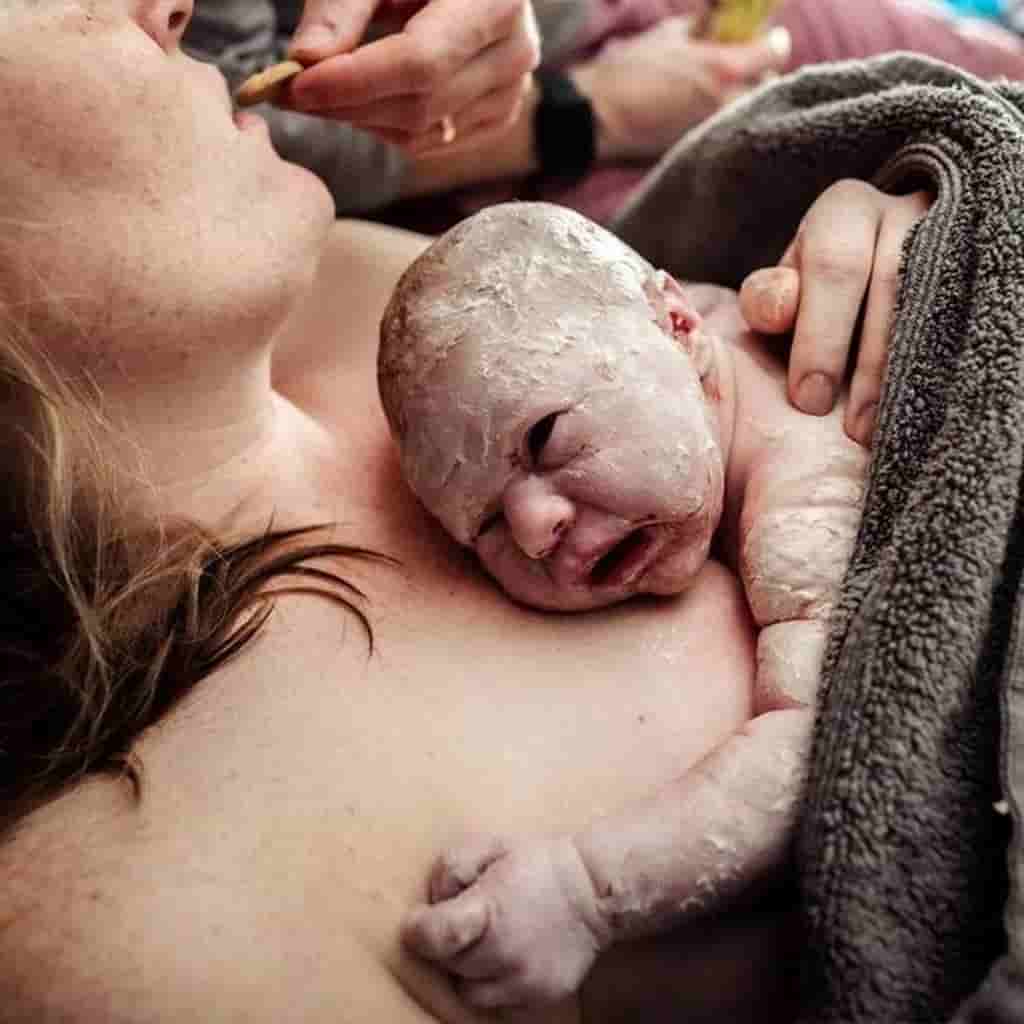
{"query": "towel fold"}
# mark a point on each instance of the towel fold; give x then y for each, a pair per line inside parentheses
(911, 880)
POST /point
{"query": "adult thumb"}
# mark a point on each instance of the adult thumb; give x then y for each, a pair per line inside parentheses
(329, 27)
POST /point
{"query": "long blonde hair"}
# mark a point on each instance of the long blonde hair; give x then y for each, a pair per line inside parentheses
(106, 619)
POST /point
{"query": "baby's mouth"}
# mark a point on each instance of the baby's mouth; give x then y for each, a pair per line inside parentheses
(626, 560)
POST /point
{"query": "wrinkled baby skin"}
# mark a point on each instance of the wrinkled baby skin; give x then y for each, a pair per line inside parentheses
(554, 399)
(538, 376)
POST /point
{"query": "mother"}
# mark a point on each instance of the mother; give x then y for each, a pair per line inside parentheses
(188, 354)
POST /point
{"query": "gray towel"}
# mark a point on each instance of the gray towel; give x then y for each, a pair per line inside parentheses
(905, 850)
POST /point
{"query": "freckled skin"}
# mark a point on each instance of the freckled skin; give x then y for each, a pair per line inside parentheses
(589, 426)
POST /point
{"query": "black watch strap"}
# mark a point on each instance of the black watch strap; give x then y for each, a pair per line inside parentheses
(564, 132)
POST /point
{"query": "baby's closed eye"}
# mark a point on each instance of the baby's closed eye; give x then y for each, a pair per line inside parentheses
(488, 523)
(538, 436)
(552, 441)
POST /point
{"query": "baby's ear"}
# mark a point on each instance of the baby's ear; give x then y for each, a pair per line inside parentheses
(682, 321)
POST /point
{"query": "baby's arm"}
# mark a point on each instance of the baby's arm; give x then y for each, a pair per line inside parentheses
(800, 515)
(521, 922)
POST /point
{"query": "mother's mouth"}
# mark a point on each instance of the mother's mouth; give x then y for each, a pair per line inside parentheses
(626, 560)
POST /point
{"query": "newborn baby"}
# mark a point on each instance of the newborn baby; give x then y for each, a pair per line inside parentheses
(591, 429)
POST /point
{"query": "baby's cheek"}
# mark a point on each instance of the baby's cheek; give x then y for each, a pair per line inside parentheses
(525, 579)
(676, 571)
(501, 559)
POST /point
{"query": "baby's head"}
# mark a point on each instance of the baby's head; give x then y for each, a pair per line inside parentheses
(552, 397)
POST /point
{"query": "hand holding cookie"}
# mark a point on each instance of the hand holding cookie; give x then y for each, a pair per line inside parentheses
(268, 85)
(453, 69)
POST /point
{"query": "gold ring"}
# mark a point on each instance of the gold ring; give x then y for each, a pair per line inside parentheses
(448, 131)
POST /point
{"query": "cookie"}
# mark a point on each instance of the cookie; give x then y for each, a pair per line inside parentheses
(265, 86)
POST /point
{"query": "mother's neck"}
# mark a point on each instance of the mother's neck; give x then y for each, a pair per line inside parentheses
(203, 431)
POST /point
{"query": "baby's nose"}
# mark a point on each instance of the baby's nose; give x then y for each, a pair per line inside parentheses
(536, 516)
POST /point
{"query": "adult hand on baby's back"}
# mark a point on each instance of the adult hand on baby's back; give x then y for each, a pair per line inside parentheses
(648, 89)
(464, 60)
(841, 270)
(515, 922)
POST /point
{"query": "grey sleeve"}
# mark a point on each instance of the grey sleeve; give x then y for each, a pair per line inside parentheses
(560, 23)
(243, 36)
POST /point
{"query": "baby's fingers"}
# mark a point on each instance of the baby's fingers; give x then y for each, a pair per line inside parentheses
(460, 866)
(442, 932)
(461, 936)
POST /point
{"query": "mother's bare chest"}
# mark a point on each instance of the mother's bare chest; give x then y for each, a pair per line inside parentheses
(518, 720)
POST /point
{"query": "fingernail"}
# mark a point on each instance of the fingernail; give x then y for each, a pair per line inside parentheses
(864, 424)
(816, 394)
(313, 38)
(781, 43)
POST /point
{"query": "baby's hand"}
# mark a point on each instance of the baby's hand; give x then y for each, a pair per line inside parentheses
(517, 923)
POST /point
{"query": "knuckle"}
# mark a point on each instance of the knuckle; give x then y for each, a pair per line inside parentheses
(516, 19)
(496, 111)
(500, 104)
(523, 60)
(422, 67)
(850, 190)
(477, 38)
(833, 261)
(456, 933)
(452, 873)
(416, 115)
(510, 12)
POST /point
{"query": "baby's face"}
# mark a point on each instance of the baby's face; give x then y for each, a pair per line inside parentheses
(580, 461)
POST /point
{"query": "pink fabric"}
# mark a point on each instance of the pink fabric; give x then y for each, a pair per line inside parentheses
(612, 18)
(822, 30)
(825, 30)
